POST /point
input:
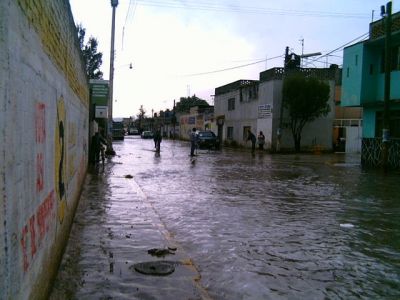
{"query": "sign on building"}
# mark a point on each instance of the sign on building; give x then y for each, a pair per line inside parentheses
(99, 92)
(101, 112)
(192, 120)
(264, 111)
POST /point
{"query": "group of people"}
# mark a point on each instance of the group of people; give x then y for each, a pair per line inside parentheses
(157, 137)
(260, 140)
(99, 143)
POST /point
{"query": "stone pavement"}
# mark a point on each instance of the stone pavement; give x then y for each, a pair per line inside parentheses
(114, 227)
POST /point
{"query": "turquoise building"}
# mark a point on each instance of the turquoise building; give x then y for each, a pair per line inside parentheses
(363, 85)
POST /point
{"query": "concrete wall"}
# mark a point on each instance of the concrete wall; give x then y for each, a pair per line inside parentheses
(43, 141)
(271, 93)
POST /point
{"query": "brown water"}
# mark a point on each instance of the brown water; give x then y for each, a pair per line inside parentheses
(255, 227)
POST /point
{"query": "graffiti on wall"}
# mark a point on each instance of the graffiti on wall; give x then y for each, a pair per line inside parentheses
(72, 140)
(35, 230)
(40, 128)
(60, 159)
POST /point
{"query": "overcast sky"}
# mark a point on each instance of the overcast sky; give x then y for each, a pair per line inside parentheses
(178, 47)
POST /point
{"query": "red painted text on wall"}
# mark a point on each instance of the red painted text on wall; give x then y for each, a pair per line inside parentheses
(38, 222)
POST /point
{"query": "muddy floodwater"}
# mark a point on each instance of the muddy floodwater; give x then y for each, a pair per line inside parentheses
(254, 226)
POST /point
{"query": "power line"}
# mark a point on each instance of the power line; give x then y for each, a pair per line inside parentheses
(361, 37)
(232, 68)
(128, 12)
(210, 6)
(129, 15)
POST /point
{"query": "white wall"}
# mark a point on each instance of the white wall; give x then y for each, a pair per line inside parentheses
(244, 114)
(41, 87)
(316, 133)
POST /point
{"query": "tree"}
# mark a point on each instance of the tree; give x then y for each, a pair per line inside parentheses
(185, 104)
(91, 57)
(306, 99)
(140, 117)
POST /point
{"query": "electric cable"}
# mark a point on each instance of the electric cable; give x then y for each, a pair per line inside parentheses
(209, 6)
(232, 68)
(361, 37)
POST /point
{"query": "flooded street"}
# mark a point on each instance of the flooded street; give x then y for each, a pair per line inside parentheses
(245, 227)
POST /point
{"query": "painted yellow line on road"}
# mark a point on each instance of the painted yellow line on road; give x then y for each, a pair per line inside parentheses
(188, 262)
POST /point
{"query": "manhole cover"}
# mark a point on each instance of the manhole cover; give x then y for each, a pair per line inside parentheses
(156, 268)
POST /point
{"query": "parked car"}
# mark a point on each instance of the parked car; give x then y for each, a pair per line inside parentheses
(207, 140)
(133, 131)
(147, 134)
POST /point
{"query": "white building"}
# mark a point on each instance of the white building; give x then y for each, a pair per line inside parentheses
(256, 105)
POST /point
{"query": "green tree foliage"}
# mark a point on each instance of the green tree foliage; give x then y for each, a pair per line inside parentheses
(306, 99)
(91, 57)
(185, 103)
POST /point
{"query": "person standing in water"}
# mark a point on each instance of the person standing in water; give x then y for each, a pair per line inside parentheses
(193, 141)
(251, 137)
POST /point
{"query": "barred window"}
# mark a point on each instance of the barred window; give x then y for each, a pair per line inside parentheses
(229, 133)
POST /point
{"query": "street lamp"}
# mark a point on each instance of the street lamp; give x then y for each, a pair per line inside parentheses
(110, 150)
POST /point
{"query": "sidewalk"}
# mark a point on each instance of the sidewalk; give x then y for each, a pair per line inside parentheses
(114, 227)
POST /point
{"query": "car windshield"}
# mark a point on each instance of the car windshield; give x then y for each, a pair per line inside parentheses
(206, 134)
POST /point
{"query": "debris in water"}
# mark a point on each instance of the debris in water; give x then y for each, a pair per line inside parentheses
(159, 252)
(347, 225)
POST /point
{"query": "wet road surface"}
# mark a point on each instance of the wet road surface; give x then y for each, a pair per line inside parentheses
(246, 227)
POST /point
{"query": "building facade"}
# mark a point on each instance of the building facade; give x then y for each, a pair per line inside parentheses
(201, 118)
(256, 105)
(363, 86)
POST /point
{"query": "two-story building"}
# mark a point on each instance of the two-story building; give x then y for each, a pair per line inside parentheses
(363, 84)
(235, 106)
(256, 105)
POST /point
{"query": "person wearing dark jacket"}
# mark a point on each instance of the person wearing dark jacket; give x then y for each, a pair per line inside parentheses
(97, 144)
(251, 137)
(261, 140)
(157, 140)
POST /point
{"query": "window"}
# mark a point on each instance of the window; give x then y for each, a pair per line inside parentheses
(229, 133)
(231, 104)
(394, 124)
(371, 69)
(356, 60)
(347, 72)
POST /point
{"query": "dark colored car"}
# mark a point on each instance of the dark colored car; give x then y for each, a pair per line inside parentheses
(207, 140)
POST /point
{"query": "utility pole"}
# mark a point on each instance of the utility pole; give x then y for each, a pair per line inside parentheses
(387, 19)
(110, 150)
(302, 51)
(173, 120)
